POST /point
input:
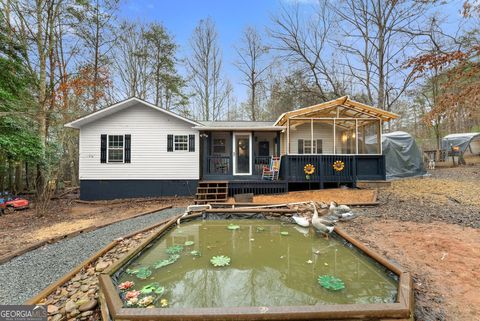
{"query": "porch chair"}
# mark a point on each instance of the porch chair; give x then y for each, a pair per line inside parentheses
(271, 172)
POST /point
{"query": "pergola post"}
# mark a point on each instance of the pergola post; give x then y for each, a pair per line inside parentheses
(288, 137)
(356, 136)
(311, 138)
(334, 137)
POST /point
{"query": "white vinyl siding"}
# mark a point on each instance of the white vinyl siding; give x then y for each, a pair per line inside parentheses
(320, 131)
(149, 157)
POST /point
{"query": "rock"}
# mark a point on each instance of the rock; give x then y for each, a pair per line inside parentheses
(88, 306)
(64, 293)
(70, 306)
(84, 288)
(52, 309)
(91, 271)
(74, 313)
(87, 313)
(101, 266)
(76, 278)
(57, 317)
(76, 284)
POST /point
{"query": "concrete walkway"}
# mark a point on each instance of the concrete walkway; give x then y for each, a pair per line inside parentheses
(28, 274)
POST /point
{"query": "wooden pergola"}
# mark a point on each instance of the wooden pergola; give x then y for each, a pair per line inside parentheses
(342, 113)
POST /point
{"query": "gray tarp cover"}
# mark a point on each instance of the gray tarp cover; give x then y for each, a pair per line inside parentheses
(402, 156)
(462, 140)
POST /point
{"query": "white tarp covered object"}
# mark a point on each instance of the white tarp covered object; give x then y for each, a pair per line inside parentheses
(468, 142)
(402, 156)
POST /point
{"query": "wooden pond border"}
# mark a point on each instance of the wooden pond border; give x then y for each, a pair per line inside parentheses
(402, 310)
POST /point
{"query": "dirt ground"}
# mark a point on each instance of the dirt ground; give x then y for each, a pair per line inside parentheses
(340, 196)
(431, 227)
(23, 228)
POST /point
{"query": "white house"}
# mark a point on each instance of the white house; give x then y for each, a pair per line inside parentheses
(136, 149)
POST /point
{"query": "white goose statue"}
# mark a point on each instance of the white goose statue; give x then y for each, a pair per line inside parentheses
(318, 223)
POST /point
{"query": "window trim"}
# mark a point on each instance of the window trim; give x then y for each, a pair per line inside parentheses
(186, 143)
(313, 146)
(122, 149)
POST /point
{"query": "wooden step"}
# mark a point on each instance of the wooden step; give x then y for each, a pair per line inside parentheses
(211, 191)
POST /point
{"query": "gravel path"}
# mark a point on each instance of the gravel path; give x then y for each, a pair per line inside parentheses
(26, 275)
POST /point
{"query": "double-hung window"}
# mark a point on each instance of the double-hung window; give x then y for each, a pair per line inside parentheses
(305, 146)
(115, 148)
(180, 142)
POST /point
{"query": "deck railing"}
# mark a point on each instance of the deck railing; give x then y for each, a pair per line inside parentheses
(259, 162)
(218, 165)
(355, 167)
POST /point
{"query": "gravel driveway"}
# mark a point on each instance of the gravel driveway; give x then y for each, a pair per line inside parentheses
(28, 274)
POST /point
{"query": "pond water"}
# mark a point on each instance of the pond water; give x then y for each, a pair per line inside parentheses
(266, 267)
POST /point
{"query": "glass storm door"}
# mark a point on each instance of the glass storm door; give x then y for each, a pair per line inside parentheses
(242, 154)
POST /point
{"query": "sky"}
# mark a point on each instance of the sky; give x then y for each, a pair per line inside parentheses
(231, 17)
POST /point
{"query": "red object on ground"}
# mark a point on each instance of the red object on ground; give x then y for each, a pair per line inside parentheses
(18, 203)
(14, 204)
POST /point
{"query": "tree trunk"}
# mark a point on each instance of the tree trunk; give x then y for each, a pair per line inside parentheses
(18, 178)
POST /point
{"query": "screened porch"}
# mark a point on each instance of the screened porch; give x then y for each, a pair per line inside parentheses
(340, 131)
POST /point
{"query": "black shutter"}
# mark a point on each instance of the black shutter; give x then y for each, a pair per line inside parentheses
(128, 144)
(103, 148)
(191, 143)
(319, 146)
(300, 146)
(169, 143)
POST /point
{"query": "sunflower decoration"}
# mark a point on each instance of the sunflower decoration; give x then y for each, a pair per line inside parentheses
(309, 169)
(338, 166)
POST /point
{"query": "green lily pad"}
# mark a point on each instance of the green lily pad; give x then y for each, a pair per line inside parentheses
(171, 259)
(143, 273)
(284, 233)
(131, 271)
(260, 229)
(174, 249)
(195, 253)
(153, 288)
(233, 227)
(331, 283)
(220, 260)
(189, 243)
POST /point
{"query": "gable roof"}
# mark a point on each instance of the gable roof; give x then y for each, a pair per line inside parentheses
(121, 106)
(344, 102)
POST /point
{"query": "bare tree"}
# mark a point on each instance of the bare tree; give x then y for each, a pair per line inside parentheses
(253, 64)
(303, 42)
(209, 87)
(132, 60)
(376, 39)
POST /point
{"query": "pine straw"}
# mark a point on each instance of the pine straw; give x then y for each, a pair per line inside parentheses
(341, 196)
(438, 190)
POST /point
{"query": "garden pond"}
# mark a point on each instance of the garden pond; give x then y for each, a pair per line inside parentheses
(251, 262)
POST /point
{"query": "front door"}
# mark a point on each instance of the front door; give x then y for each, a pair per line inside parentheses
(242, 154)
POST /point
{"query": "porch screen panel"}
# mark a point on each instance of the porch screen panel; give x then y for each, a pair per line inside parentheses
(323, 139)
(369, 136)
(300, 131)
(345, 137)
